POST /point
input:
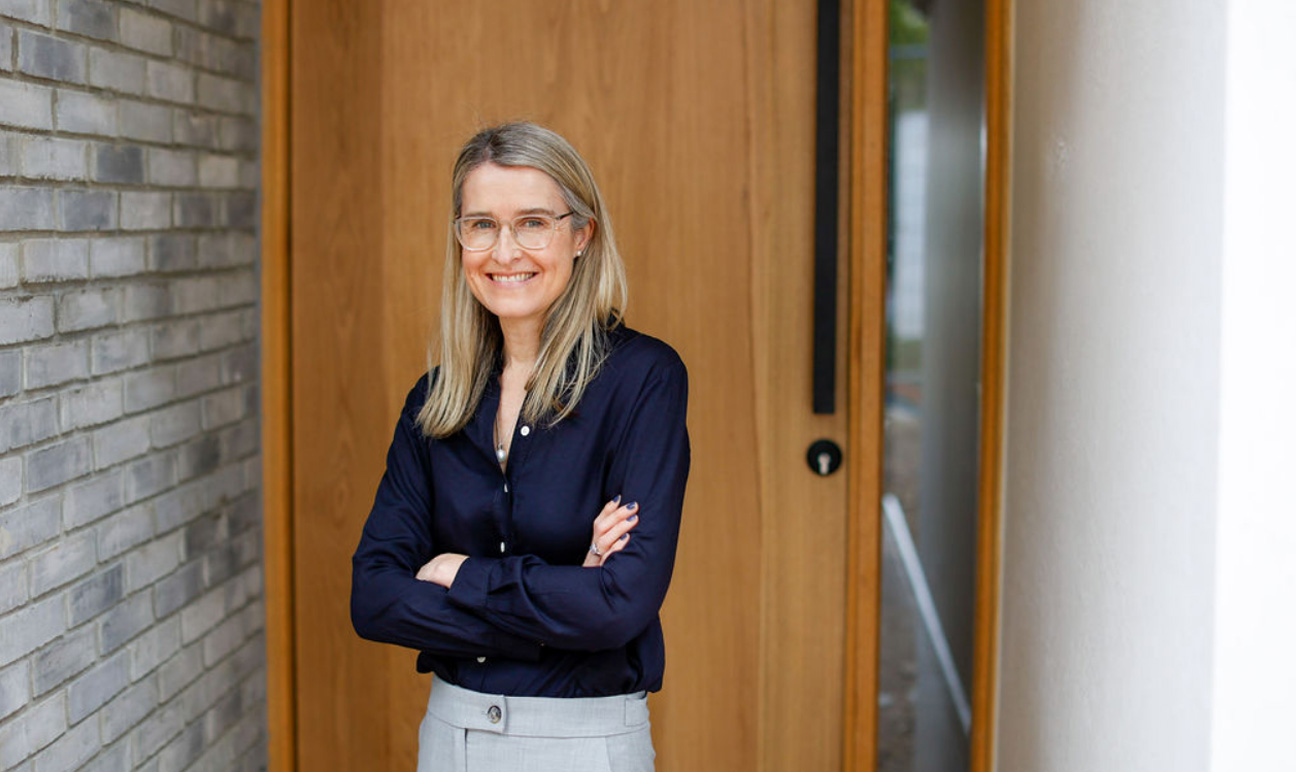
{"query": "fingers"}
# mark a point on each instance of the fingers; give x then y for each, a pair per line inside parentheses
(615, 531)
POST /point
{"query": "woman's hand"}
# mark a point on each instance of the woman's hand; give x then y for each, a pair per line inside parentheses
(611, 531)
(441, 569)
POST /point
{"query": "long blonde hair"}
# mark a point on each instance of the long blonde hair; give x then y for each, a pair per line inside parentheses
(573, 341)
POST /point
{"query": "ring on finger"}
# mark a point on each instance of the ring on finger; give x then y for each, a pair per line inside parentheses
(594, 548)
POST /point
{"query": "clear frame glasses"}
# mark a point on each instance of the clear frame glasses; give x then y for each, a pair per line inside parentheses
(530, 231)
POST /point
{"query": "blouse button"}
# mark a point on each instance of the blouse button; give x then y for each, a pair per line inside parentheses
(503, 547)
(525, 430)
(481, 659)
(494, 714)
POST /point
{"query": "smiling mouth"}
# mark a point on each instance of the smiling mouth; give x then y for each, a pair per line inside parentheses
(510, 278)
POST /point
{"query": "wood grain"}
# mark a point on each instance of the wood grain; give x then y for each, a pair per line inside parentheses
(998, 108)
(867, 248)
(697, 119)
(276, 384)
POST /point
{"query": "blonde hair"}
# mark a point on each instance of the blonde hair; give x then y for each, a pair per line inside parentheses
(573, 342)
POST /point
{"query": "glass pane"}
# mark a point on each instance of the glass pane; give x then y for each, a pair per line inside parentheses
(933, 374)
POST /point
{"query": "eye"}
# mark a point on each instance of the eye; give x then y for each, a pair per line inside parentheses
(480, 224)
(532, 223)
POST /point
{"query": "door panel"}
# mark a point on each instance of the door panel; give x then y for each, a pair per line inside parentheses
(697, 120)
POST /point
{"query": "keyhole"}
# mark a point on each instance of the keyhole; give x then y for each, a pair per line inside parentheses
(823, 457)
(825, 464)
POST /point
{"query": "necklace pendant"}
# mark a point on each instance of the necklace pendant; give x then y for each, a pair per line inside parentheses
(500, 453)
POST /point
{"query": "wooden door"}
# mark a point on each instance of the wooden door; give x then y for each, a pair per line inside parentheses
(697, 119)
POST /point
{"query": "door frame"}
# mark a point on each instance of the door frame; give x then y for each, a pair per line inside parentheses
(864, 91)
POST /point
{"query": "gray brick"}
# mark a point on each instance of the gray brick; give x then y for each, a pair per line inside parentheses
(91, 500)
(221, 563)
(145, 32)
(174, 168)
(124, 530)
(15, 687)
(89, 309)
(194, 128)
(96, 403)
(81, 113)
(90, 691)
(176, 338)
(58, 363)
(147, 301)
(225, 94)
(31, 627)
(144, 121)
(87, 210)
(184, 9)
(128, 710)
(205, 533)
(27, 105)
(113, 257)
(10, 153)
(114, 759)
(92, 18)
(27, 423)
(13, 586)
(226, 250)
(47, 721)
(154, 647)
(145, 211)
(73, 749)
(177, 590)
(172, 252)
(35, 11)
(6, 48)
(26, 527)
(119, 164)
(23, 319)
(121, 441)
(49, 57)
(152, 561)
(198, 375)
(249, 173)
(95, 595)
(150, 476)
(8, 265)
(24, 209)
(54, 159)
(223, 407)
(51, 260)
(221, 330)
(196, 210)
(177, 507)
(216, 171)
(14, 746)
(118, 351)
(57, 463)
(226, 712)
(239, 134)
(117, 70)
(11, 470)
(200, 457)
(181, 752)
(69, 560)
(171, 82)
(224, 639)
(125, 622)
(150, 388)
(197, 618)
(176, 424)
(10, 377)
(241, 210)
(154, 732)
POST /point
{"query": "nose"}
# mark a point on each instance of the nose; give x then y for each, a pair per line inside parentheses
(506, 247)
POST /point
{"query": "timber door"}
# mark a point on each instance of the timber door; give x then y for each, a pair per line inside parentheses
(698, 120)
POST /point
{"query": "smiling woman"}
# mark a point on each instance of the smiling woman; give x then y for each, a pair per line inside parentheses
(523, 547)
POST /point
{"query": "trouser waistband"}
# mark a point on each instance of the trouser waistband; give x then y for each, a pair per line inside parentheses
(537, 716)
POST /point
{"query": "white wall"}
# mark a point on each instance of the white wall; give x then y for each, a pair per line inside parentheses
(1113, 386)
(1255, 579)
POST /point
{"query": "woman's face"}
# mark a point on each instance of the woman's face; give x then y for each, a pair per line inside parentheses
(516, 284)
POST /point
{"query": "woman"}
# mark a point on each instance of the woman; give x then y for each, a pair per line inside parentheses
(523, 535)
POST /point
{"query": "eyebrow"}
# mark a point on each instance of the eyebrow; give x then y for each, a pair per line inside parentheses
(521, 213)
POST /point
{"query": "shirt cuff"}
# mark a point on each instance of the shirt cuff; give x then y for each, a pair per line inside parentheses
(471, 584)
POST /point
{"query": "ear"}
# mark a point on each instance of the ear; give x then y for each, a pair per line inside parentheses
(584, 236)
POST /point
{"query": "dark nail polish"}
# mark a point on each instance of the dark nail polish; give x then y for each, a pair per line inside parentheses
(632, 506)
(616, 500)
(624, 536)
(632, 518)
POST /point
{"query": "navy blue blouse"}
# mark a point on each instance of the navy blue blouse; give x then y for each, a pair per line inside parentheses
(523, 617)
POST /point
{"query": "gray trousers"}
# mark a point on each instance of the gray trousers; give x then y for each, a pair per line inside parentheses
(467, 731)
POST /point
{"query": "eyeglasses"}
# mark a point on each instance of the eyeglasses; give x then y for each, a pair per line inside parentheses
(530, 231)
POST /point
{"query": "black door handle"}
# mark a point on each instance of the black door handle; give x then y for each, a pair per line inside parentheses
(827, 138)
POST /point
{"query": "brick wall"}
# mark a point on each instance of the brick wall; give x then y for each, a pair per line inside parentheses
(130, 524)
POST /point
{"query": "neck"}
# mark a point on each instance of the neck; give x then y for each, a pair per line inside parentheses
(521, 343)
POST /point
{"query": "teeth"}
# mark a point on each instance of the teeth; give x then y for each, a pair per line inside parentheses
(516, 277)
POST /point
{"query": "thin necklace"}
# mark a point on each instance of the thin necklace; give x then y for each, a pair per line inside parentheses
(501, 455)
